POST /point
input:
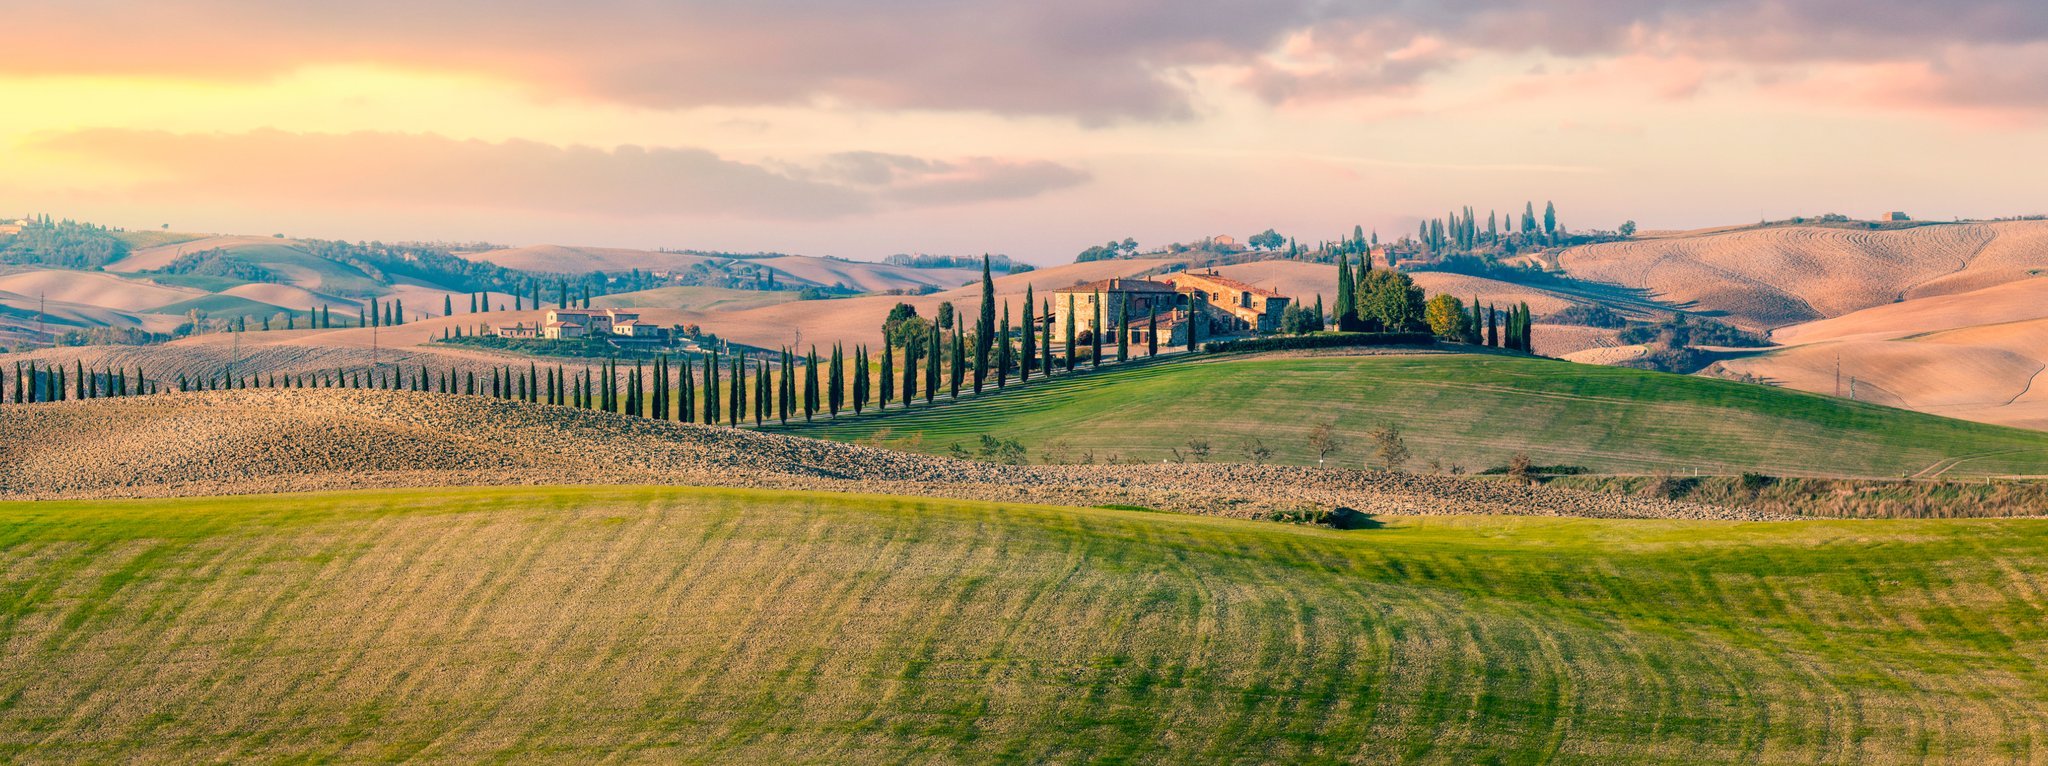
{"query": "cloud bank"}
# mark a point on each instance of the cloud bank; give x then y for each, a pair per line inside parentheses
(1091, 60)
(423, 170)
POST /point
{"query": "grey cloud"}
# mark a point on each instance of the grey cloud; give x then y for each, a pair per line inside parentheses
(1091, 60)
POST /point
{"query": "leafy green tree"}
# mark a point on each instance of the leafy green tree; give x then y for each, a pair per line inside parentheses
(1390, 300)
(1550, 219)
(1446, 317)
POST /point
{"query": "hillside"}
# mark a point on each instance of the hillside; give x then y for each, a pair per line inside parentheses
(1763, 278)
(680, 625)
(273, 440)
(1470, 411)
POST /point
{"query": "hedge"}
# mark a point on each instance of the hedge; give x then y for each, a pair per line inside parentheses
(1331, 340)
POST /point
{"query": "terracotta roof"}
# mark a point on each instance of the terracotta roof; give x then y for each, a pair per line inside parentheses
(1219, 279)
(1119, 285)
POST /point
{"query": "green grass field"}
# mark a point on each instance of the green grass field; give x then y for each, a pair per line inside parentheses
(672, 625)
(1474, 411)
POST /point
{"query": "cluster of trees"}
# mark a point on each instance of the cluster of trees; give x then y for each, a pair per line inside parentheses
(219, 262)
(1000, 263)
(1376, 300)
(65, 244)
(1109, 251)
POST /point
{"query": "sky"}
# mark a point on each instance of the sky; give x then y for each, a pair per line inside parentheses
(870, 127)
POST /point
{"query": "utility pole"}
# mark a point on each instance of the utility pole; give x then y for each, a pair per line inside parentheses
(1838, 376)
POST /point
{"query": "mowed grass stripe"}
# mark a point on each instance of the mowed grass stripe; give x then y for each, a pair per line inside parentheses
(1473, 411)
(666, 624)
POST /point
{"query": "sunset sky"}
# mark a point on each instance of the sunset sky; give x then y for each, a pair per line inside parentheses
(1030, 128)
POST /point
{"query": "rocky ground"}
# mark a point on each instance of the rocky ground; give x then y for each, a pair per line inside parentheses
(281, 440)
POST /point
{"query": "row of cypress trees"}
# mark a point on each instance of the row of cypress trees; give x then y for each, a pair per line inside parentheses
(53, 383)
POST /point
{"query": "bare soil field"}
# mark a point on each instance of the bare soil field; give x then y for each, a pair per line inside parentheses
(1767, 278)
(263, 441)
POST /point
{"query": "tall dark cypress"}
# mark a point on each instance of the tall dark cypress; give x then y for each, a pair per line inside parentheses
(686, 397)
(1095, 334)
(1030, 351)
(1152, 331)
(1003, 349)
(887, 375)
(811, 383)
(956, 366)
(910, 369)
(931, 365)
(785, 387)
(1347, 296)
(760, 391)
(1492, 327)
(1070, 332)
(835, 381)
(1123, 329)
(984, 325)
(712, 402)
(860, 378)
(1045, 342)
(736, 410)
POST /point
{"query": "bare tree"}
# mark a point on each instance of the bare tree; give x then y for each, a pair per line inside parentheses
(1389, 446)
(1199, 450)
(1256, 450)
(1325, 440)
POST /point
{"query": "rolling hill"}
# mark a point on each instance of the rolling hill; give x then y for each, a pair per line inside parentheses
(1765, 278)
(1472, 411)
(683, 625)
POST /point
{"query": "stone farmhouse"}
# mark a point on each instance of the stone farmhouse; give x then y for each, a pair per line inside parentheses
(1229, 307)
(560, 324)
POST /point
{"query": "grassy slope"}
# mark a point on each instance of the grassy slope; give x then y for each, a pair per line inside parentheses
(523, 624)
(1469, 410)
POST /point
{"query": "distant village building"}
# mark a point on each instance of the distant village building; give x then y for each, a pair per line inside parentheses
(1895, 217)
(519, 330)
(1223, 240)
(559, 324)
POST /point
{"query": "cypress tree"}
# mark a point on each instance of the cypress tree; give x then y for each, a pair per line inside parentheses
(711, 388)
(1070, 332)
(954, 367)
(984, 325)
(887, 376)
(472, 303)
(1123, 329)
(1347, 296)
(910, 369)
(448, 305)
(760, 391)
(1030, 350)
(1045, 343)
(785, 387)
(1003, 350)
(1492, 327)
(835, 387)
(1095, 337)
(1152, 332)
(860, 378)
(931, 365)
(737, 409)
(1194, 322)
(811, 383)
(688, 399)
